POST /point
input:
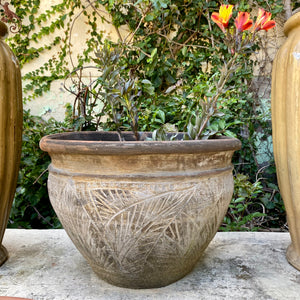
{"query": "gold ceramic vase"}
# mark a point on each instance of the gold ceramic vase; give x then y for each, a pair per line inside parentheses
(11, 119)
(286, 130)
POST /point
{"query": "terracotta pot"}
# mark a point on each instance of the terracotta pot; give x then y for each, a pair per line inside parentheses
(10, 131)
(286, 130)
(141, 213)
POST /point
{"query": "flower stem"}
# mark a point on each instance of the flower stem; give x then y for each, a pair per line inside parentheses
(212, 107)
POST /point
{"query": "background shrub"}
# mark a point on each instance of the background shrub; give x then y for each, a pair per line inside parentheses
(175, 69)
(31, 207)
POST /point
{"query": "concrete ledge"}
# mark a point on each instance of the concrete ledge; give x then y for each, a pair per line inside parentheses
(44, 265)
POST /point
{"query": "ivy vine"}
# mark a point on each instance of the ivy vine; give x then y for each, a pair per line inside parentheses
(57, 21)
(28, 42)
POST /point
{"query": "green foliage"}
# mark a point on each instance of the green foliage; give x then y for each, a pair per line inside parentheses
(31, 206)
(174, 53)
(295, 5)
(171, 66)
(252, 208)
(28, 42)
(242, 214)
(169, 57)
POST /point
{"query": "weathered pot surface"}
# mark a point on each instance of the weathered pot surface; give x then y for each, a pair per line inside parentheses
(141, 213)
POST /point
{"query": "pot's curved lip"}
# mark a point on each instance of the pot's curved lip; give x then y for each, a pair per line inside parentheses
(88, 142)
(291, 23)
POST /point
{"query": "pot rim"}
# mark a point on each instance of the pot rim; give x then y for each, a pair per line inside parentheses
(87, 142)
(291, 23)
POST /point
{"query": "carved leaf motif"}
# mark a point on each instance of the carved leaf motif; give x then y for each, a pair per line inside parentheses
(132, 226)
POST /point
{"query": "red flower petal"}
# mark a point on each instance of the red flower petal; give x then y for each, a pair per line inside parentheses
(216, 18)
(268, 25)
(243, 21)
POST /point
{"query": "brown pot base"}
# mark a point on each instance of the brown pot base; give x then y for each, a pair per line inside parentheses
(3, 255)
(293, 257)
(146, 279)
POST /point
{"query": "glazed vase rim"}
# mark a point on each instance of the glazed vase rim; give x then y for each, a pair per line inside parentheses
(87, 142)
(291, 23)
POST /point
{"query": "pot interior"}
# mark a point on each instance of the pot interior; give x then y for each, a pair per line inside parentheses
(109, 136)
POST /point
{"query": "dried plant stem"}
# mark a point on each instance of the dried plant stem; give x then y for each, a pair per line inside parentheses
(132, 34)
(211, 108)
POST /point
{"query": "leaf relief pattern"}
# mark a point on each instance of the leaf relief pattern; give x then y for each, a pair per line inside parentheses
(132, 226)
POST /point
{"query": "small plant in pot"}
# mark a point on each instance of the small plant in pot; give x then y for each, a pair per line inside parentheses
(142, 207)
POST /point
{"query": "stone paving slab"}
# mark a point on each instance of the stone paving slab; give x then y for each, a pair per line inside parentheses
(44, 265)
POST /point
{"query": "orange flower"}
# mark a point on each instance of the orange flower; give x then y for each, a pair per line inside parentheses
(243, 21)
(222, 18)
(263, 21)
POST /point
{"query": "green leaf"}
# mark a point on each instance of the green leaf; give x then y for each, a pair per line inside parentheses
(154, 53)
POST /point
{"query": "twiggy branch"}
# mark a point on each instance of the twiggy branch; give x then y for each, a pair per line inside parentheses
(132, 34)
(37, 179)
(40, 216)
(182, 44)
